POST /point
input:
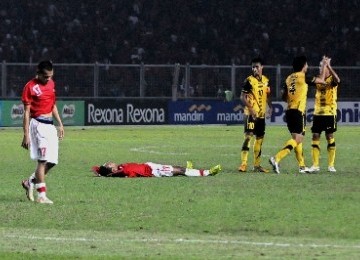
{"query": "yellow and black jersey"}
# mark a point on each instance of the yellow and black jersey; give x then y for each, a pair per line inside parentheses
(257, 91)
(296, 85)
(326, 97)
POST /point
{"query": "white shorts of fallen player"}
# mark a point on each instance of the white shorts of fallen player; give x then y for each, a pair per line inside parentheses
(160, 170)
(44, 142)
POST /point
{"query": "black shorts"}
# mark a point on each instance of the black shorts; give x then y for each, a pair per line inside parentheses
(257, 127)
(324, 123)
(295, 121)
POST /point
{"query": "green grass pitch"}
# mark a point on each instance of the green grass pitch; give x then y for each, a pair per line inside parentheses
(229, 216)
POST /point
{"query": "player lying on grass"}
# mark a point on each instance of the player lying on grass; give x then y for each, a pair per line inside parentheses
(150, 169)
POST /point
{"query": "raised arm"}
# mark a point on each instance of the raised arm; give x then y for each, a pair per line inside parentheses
(333, 73)
(321, 78)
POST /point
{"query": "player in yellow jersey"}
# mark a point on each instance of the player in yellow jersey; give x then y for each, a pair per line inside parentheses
(295, 94)
(325, 117)
(255, 95)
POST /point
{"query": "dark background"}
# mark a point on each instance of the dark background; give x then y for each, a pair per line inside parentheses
(168, 31)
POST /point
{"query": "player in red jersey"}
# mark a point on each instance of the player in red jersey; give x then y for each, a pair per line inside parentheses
(150, 169)
(40, 134)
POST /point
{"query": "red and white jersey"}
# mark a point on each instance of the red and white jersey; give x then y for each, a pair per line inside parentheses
(41, 98)
(132, 170)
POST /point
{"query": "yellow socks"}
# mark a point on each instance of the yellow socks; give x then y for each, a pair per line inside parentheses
(299, 155)
(245, 150)
(315, 152)
(257, 151)
(290, 144)
(331, 148)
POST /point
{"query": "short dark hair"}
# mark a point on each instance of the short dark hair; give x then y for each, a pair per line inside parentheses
(257, 60)
(298, 63)
(103, 171)
(44, 65)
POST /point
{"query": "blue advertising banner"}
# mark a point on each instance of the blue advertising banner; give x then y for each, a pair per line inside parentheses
(348, 113)
(205, 112)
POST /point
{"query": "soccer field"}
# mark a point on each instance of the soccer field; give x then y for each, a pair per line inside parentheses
(230, 215)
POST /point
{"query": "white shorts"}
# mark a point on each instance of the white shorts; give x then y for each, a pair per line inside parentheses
(160, 170)
(44, 142)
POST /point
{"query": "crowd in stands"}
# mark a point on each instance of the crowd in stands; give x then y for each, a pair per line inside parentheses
(177, 31)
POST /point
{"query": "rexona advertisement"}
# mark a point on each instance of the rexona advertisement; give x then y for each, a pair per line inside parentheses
(205, 112)
(347, 113)
(144, 112)
(12, 112)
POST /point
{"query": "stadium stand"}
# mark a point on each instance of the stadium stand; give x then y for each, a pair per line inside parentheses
(164, 32)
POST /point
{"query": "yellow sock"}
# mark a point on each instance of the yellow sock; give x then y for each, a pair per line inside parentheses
(315, 152)
(299, 155)
(290, 144)
(245, 150)
(331, 151)
(257, 151)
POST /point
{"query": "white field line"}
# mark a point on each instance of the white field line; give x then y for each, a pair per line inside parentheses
(157, 151)
(184, 241)
(162, 150)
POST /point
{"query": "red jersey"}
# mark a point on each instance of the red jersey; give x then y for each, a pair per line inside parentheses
(134, 170)
(130, 170)
(41, 98)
